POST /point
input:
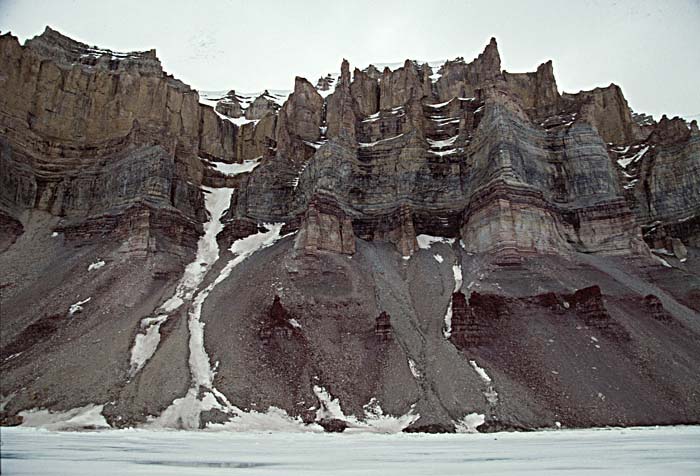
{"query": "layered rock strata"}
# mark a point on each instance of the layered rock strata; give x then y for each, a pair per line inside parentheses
(504, 226)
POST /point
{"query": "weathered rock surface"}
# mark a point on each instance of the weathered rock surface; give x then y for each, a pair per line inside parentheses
(468, 199)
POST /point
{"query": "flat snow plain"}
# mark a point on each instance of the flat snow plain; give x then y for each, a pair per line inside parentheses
(638, 451)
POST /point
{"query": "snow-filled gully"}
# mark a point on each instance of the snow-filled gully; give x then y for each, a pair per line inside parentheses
(185, 412)
(145, 344)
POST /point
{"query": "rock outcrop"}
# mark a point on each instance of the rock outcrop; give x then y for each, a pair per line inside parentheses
(504, 226)
(95, 136)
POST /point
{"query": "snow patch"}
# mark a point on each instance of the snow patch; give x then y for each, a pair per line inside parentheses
(145, 344)
(437, 106)
(273, 420)
(442, 153)
(294, 323)
(232, 170)
(662, 261)
(80, 418)
(480, 371)
(440, 144)
(374, 421)
(426, 241)
(381, 141)
(624, 163)
(184, 413)
(457, 273)
(469, 423)
(77, 307)
(414, 368)
(372, 118)
(96, 265)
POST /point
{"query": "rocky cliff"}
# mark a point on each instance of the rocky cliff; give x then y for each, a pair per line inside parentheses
(418, 248)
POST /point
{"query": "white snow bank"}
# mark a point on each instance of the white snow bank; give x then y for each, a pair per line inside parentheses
(469, 423)
(375, 421)
(184, 413)
(238, 168)
(81, 418)
(145, 345)
(426, 241)
(624, 163)
(96, 265)
(273, 420)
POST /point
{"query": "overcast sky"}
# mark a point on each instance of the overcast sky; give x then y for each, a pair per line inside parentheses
(650, 48)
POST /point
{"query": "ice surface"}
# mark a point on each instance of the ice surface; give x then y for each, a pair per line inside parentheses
(605, 452)
(96, 265)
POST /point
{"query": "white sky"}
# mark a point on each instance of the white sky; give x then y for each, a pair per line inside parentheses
(650, 48)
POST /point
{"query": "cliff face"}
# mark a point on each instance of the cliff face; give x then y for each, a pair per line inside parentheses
(490, 221)
(93, 135)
